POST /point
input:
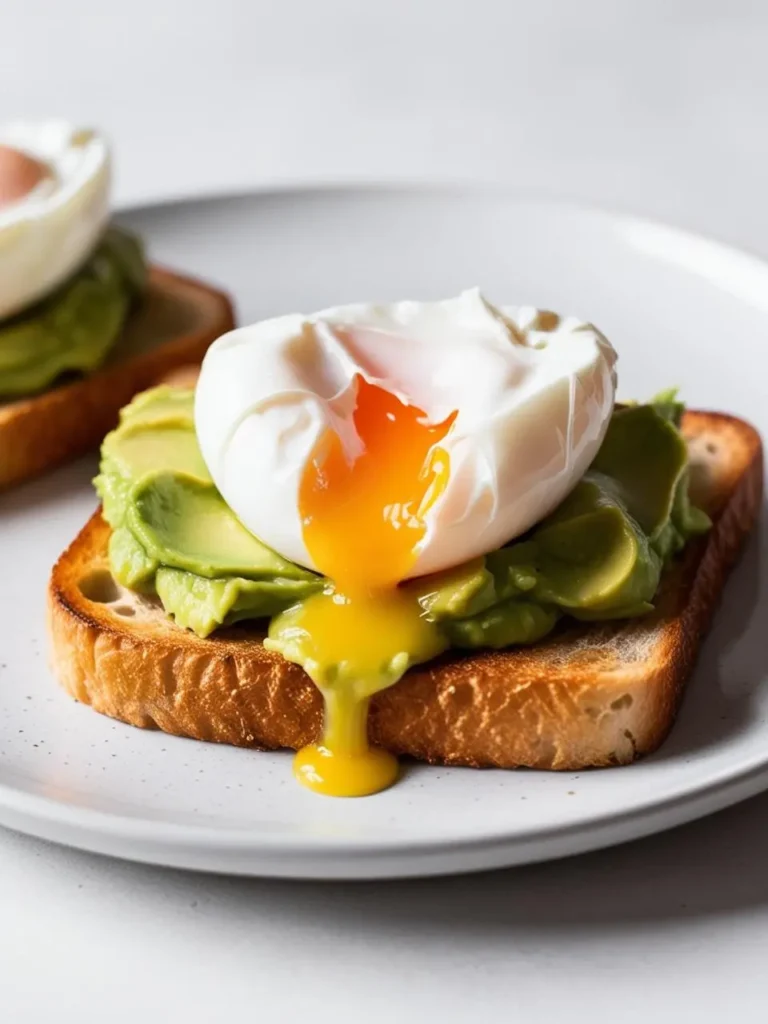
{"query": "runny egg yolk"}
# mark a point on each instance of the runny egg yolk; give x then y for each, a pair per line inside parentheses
(363, 517)
(19, 175)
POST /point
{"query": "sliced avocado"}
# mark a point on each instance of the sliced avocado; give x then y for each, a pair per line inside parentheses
(513, 569)
(184, 523)
(160, 404)
(127, 253)
(597, 557)
(502, 625)
(113, 490)
(627, 611)
(131, 565)
(475, 586)
(74, 328)
(22, 344)
(645, 454)
(136, 448)
(685, 521)
(668, 405)
(203, 605)
(141, 447)
(456, 593)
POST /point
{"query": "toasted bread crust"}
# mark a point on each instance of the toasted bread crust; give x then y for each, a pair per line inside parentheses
(179, 319)
(589, 696)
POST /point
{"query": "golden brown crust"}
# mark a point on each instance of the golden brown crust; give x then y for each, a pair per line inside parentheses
(589, 696)
(177, 321)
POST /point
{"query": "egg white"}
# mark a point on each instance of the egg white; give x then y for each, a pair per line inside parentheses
(534, 396)
(47, 235)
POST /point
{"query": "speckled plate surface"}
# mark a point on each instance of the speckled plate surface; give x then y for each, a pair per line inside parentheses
(681, 310)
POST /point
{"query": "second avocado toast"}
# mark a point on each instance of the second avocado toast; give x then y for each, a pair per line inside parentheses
(85, 322)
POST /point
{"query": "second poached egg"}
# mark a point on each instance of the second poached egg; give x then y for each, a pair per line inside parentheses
(54, 206)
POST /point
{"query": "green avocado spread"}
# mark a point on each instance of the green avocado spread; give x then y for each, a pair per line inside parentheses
(74, 328)
(599, 555)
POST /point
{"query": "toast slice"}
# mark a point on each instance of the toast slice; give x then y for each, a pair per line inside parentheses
(176, 322)
(590, 695)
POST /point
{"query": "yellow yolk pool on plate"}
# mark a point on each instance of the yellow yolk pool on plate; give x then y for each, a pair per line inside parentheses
(363, 516)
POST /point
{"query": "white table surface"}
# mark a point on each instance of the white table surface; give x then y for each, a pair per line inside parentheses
(657, 106)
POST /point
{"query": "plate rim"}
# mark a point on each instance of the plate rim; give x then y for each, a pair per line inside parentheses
(416, 186)
(187, 848)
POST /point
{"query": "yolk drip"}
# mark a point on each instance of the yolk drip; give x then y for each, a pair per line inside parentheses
(363, 518)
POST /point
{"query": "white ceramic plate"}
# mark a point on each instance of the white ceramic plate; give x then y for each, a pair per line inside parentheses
(680, 309)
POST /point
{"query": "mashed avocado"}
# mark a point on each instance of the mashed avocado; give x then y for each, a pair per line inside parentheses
(74, 328)
(599, 555)
(172, 532)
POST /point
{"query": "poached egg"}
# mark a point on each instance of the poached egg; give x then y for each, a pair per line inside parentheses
(54, 205)
(377, 443)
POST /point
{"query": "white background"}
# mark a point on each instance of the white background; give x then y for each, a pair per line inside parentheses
(657, 106)
(654, 105)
